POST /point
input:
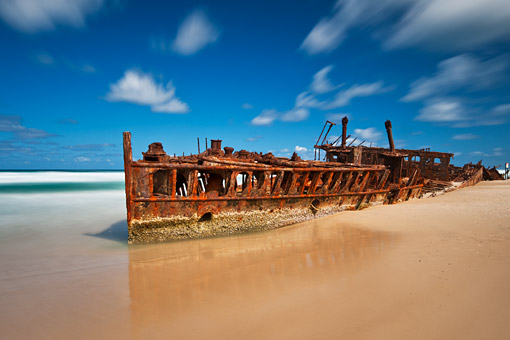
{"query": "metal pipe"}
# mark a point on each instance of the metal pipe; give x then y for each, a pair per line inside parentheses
(345, 120)
(326, 135)
(390, 135)
(352, 141)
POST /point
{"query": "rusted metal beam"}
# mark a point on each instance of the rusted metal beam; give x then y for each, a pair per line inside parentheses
(390, 135)
(128, 160)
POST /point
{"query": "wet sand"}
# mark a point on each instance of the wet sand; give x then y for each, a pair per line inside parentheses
(434, 268)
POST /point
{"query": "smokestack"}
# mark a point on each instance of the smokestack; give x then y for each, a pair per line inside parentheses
(390, 135)
(344, 131)
(216, 144)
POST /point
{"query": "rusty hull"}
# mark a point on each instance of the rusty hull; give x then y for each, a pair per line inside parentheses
(222, 192)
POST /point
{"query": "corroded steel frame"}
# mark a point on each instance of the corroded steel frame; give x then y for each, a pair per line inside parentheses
(186, 188)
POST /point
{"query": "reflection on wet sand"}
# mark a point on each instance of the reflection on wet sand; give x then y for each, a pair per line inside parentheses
(179, 286)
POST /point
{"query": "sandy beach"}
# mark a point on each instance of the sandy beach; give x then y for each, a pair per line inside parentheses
(434, 268)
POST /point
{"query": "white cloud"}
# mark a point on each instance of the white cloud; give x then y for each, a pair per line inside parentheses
(497, 152)
(331, 31)
(174, 105)
(459, 72)
(42, 15)
(503, 109)
(321, 83)
(369, 134)
(344, 97)
(87, 68)
(247, 106)
(442, 110)
(140, 88)
(300, 149)
(307, 99)
(253, 139)
(81, 159)
(337, 117)
(267, 117)
(45, 58)
(195, 33)
(453, 111)
(295, 115)
(465, 136)
(453, 24)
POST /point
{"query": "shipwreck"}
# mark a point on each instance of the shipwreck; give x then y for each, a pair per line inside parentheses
(221, 191)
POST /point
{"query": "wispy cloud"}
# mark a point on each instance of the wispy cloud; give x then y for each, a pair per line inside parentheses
(87, 68)
(31, 16)
(346, 15)
(452, 25)
(140, 88)
(370, 134)
(45, 58)
(297, 114)
(89, 147)
(307, 100)
(465, 136)
(443, 110)
(253, 139)
(344, 97)
(321, 83)
(82, 159)
(502, 110)
(195, 33)
(13, 124)
(247, 106)
(460, 72)
(266, 117)
(336, 117)
(455, 25)
(495, 152)
(496, 116)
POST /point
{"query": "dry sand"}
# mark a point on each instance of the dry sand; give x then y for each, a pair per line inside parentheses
(435, 268)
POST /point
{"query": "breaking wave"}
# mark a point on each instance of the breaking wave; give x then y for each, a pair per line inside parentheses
(59, 181)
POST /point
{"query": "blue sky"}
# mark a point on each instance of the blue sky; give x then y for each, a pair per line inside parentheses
(261, 75)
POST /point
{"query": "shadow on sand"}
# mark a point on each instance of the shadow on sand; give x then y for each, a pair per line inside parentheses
(116, 232)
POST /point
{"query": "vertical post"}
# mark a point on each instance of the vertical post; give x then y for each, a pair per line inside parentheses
(345, 120)
(173, 181)
(206, 143)
(128, 159)
(390, 135)
(198, 142)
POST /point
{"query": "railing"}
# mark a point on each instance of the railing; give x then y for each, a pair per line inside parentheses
(218, 183)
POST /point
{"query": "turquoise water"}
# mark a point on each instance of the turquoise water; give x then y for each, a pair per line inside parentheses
(31, 182)
(58, 187)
